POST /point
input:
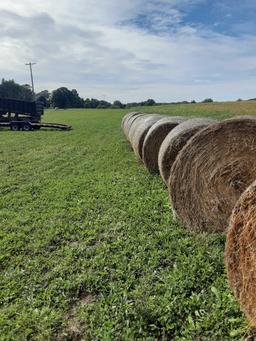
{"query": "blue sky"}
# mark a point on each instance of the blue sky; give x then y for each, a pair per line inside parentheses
(131, 50)
(228, 17)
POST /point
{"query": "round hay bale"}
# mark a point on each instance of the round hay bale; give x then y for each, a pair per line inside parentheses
(127, 116)
(135, 124)
(175, 141)
(240, 253)
(210, 173)
(129, 122)
(154, 139)
(139, 131)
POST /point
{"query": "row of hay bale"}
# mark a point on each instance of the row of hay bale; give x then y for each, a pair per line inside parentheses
(209, 168)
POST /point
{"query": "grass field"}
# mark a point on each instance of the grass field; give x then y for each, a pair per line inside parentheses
(89, 249)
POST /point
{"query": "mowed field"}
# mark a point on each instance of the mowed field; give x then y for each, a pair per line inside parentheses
(89, 249)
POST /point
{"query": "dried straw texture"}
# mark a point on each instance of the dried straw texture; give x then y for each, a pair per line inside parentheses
(129, 122)
(139, 131)
(135, 124)
(210, 173)
(154, 139)
(127, 116)
(240, 254)
(175, 141)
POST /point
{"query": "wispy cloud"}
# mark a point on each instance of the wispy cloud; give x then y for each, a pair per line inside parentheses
(131, 50)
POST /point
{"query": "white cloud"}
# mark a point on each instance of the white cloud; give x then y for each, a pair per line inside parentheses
(82, 45)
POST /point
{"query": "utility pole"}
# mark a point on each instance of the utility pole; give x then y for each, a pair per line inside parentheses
(31, 75)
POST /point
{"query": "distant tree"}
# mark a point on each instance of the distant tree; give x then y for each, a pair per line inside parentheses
(193, 102)
(44, 97)
(131, 105)
(27, 87)
(94, 103)
(104, 105)
(10, 89)
(150, 102)
(239, 100)
(78, 102)
(64, 98)
(87, 103)
(118, 105)
(207, 100)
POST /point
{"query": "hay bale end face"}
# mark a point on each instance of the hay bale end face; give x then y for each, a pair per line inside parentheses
(129, 122)
(135, 125)
(240, 253)
(127, 116)
(210, 173)
(126, 119)
(154, 139)
(175, 141)
(139, 131)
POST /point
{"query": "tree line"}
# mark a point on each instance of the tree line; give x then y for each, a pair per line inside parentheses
(10, 89)
(62, 97)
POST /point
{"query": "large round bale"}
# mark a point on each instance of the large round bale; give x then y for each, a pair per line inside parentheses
(129, 122)
(240, 253)
(139, 131)
(211, 171)
(127, 117)
(175, 141)
(135, 124)
(154, 139)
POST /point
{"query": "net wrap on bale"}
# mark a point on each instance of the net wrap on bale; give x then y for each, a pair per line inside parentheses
(154, 139)
(176, 140)
(129, 122)
(210, 173)
(127, 116)
(240, 253)
(139, 131)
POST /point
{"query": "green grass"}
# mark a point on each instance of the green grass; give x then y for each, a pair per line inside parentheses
(89, 248)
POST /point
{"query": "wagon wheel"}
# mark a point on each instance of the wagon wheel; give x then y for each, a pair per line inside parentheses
(15, 127)
(26, 127)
